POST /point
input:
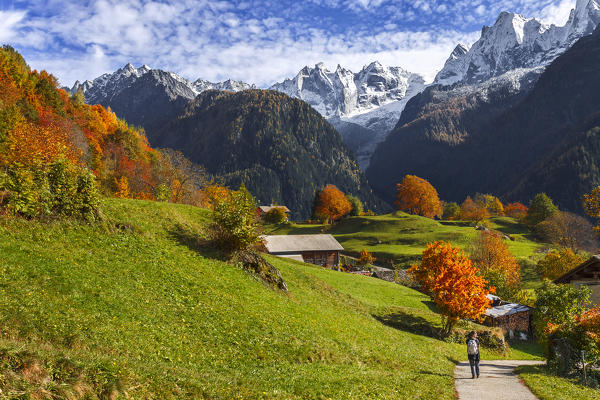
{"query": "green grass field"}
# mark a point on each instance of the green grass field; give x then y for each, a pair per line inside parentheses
(402, 237)
(549, 387)
(133, 308)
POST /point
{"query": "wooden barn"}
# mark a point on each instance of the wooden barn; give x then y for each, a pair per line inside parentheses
(587, 274)
(313, 249)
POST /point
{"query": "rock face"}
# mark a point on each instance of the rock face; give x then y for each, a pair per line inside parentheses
(515, 135)
(517, 42)
(102, 89)
(147, 97)
(372, 99)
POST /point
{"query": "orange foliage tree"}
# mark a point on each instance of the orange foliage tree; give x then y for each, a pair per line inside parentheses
(473, 211)
(417, 196)
(332, 203)
(515, 210)
(496, 263)
(453, 283)
(365, 258)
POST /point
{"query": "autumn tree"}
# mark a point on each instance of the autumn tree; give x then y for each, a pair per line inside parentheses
(365, 258)
(490, 202)
(496, 263)
(453, 283)
(591, 204)
(515, 210)
(541, 207)
(472, 211)
(122, 187)
(558, 262)
(569, 230)
(212, 193)
(417, 196)
(451, 211)
(332, 204)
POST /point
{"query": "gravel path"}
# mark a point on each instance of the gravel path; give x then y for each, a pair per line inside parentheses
(497, 381)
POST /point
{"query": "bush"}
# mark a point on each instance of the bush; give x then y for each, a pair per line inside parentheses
(451, 211)
(357, 205)
(235, 225)
(276, 215)
(57, 189)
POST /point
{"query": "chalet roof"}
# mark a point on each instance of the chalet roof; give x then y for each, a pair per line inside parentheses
(506, 309)
(266, 209)
(593, 263)
(299, 243)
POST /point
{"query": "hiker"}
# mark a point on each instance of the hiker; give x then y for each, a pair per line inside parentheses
(473, 353)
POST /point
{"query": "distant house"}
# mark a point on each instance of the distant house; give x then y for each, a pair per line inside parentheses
(262, 210)
(313, 249)
(587, 274)
(511, 317)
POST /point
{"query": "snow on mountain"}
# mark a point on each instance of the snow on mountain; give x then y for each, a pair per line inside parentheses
(372, 98)
(107, 86)
(517, 42)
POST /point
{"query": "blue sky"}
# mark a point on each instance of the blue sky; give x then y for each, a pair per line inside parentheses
(259, 42)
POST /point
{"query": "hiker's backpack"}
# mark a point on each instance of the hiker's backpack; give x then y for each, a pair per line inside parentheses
(472, 347)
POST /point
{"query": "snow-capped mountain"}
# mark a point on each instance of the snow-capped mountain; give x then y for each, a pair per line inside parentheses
(107, 86)
(517, 42)
(372, 98)
(343, 93)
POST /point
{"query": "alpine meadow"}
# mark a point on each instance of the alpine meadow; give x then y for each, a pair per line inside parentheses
(341, 200)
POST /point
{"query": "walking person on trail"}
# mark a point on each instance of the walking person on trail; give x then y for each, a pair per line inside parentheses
(473, 353)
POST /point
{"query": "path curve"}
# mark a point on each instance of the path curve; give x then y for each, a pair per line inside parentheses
(497, 381)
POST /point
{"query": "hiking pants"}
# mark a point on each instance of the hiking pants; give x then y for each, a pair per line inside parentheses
(474, 363)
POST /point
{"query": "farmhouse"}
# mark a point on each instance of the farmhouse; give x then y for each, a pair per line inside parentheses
(511, 317)
(587, 274)
(262, 210)
(313, 249)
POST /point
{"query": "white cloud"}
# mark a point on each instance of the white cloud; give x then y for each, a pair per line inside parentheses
(10, 21)
(213, 40)
(557, 13)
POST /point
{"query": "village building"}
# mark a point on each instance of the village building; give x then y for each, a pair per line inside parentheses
(262, 210)
(314, 249)
(587, 274)
(513, 318)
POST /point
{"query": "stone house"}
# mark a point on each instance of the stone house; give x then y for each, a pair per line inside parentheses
(262, 210)
(511, 317)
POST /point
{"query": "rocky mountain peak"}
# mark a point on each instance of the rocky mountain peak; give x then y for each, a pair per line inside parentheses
(517, 42)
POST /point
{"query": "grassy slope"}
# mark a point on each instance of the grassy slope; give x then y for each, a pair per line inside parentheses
(403, 237)
(138, 311)
(549, 387)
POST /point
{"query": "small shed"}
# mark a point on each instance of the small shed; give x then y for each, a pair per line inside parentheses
(588, 274)
(314, 249)
(511, 317)
(262, 210)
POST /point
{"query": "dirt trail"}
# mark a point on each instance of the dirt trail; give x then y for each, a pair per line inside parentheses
(497, 381)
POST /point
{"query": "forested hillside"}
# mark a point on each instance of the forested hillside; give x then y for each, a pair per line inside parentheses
(501, 141)
(41, 125)
(281, 148)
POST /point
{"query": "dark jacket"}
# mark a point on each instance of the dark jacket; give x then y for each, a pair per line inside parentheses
(474, 356)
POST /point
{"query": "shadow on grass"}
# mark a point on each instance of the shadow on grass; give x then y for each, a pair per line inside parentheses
(193, 240)
(410, 323)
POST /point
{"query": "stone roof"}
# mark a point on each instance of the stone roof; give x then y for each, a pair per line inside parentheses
(299, 243)
(506, 309)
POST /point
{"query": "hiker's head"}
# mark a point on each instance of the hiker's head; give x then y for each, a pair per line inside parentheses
(472, 334)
